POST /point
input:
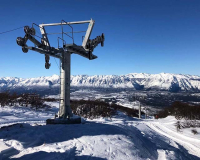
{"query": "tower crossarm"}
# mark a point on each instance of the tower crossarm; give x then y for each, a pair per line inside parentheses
(56, 54)
(73, 48)
(58, 24)
(87, 35)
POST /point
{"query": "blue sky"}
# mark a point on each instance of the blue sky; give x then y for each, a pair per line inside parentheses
(149, 36)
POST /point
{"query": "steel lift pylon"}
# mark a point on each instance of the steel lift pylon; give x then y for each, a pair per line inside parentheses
(65, 115)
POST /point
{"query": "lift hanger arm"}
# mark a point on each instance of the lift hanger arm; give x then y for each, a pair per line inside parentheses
(88, 33)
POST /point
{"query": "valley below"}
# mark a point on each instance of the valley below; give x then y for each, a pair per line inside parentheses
(25, 135)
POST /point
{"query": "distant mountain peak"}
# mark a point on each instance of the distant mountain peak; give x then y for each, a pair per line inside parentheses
(138, 81)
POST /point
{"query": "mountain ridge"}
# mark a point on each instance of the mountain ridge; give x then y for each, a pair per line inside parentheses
(136, 81)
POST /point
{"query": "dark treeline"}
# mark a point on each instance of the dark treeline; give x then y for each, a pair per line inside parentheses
(94, 109)
(87, 109)
(181, 111)
(14, 99)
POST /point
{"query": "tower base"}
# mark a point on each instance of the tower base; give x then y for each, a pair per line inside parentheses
(73, 120)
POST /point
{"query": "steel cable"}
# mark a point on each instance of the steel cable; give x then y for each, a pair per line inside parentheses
(11, 30)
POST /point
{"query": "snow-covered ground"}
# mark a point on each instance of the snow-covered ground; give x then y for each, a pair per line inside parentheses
(24, 135)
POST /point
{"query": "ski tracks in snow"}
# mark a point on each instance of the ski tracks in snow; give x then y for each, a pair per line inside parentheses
(156, 141)
(184, 143)
(119, 138)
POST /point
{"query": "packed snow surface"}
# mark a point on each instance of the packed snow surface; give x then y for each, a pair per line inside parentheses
(162, 81)
(24, 135)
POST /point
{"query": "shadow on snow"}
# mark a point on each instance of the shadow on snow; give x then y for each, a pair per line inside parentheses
(33, 136)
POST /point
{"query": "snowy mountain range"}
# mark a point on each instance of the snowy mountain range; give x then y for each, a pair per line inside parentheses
(136, 81)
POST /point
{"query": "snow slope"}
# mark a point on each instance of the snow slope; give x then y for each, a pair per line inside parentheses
(139, 81)
(119, 138)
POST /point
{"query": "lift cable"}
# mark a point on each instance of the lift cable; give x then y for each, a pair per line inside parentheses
(35, 35)
(11, 30)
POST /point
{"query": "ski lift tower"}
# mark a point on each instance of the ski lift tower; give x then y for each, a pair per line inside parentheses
(65, 115)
